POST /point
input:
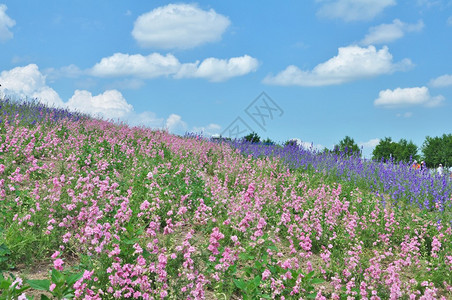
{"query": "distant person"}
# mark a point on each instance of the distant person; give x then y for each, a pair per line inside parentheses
(415, 165)
(423, 165)
(440, 170)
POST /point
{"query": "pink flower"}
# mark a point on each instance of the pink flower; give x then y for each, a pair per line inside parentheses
(87, 275)
(52, 287)
(55, 255)
(266, 274)
(58, 264)
(22, 297)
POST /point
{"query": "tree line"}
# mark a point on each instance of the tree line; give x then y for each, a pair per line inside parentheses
(434, 151)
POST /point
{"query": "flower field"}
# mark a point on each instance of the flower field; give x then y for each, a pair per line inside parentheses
(105, 211)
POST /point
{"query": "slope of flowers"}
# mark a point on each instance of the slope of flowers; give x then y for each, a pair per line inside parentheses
(396, 183)
(118, 212)
(34, 112)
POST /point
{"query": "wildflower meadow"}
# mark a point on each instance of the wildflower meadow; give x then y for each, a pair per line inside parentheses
(91, 209)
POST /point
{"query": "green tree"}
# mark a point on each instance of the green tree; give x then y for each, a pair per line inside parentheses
(385, 149)
(252, 138)
(406, 151)
(268, 141)
(399, 151)
(438, 150)
(347, 146)
(291, 143)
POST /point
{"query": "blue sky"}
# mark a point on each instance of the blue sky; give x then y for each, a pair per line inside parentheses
(368, 69)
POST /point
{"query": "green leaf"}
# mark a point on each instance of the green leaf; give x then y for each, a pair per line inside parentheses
(69, 296)
(57, 277)
(257, 265)
(310, 274)
(146, 253)
(257, 280)
(233, 269)
(42, 285)
(70, 280)
(265, 258)
(4, 284)
(312, 295)
(240, 284)
(22, 289)
(4, 250)
(317, 280)
(130, 241)
(44, 297)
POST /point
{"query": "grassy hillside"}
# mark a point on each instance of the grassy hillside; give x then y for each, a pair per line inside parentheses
(96, 210)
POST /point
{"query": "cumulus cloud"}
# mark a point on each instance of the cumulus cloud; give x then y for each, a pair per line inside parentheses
(111, 104)
(150, 66)
(353, 10)
(215, 69)
(351, 63)
(402, 97)
(372, 143)
(6, 23)
(179, 26)
(29, 82)
(175, 124)
(386, 33)
(442, 81)
(147, 118)
(208, 130)
(156, 65)
(367, 147)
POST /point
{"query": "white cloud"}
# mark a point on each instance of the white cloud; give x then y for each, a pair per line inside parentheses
(386, 33)
(151, 66)
(353, 10)
(367, 147)
(156, 65)
(28, 82)
(441, 81)
(175, 124)
(369, 144)
(179, 26)
(351, 63)
(402, 97)
(147, 118)
(111, 104)
(5, 24)
(215, 69)
(208, 130)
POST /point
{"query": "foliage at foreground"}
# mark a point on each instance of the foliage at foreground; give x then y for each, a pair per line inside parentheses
(120, 212)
